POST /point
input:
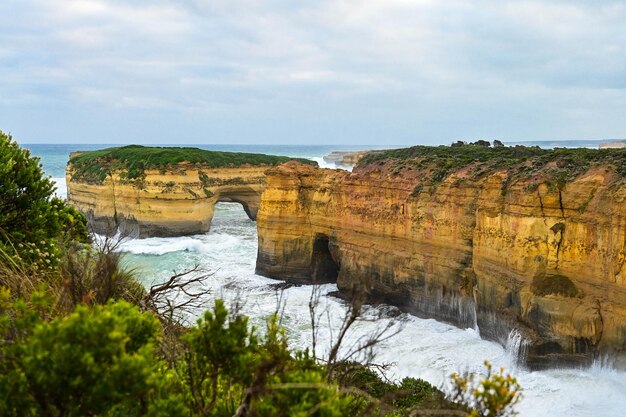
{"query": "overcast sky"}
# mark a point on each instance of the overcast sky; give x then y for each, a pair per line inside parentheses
(311, 72)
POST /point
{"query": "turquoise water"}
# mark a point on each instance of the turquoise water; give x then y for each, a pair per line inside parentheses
(424, 348)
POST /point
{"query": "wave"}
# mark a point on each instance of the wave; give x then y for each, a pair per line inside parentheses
(161, 246)
(323, 164)
(425, 348)
(61, 187)
(330, 165)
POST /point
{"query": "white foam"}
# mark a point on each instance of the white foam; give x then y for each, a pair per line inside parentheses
(161, 246)
(425, 348)
(61, 187)
(323, 164)
(330, 165)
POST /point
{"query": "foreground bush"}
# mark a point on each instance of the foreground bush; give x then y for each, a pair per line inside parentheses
(79, 336)
(106, 361)
(32, 221)
(95, 361)
(103, 361)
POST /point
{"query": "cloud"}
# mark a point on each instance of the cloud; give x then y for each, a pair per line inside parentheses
(372, 71)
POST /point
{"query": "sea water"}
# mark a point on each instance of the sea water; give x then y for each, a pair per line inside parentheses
(423, 348)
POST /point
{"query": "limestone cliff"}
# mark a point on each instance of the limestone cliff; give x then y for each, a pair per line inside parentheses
(539, 247)
(170, 203)
(163, 191)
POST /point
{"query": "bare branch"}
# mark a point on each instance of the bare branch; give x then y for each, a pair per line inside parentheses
(179, 297)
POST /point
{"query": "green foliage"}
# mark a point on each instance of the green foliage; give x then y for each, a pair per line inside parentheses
(354, 374)
(32, 222)
(558, 228)
(399, 399)
(18, 319)
(133, 160)
(299, 388)
(583, 206)
(104, 360)
(169, 187)
(205, 180)
(219, 349)
(558, 165)
(94, 275)
(229, 367)
(91, 362)
(417, 393)
(493, 396)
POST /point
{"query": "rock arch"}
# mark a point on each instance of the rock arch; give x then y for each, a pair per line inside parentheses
(176, 202)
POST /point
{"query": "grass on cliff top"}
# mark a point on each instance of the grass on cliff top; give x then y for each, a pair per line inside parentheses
(94, 166)
(518, 160)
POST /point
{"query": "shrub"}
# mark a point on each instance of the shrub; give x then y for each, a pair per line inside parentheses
(493, 396)
(133, 160)
(558, 165)
(95, 361)
(32, 222)
(94, 275)
(106, 360)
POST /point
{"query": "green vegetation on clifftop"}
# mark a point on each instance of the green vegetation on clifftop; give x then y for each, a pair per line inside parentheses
(561, 164)
(95, 166)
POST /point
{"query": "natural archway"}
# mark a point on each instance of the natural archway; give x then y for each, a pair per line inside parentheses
(249, 197)
(172, 202)
(246, 197)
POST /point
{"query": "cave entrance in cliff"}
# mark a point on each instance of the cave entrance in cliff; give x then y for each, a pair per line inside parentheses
(325, 267)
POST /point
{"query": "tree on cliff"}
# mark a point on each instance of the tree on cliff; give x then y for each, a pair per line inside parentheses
(32, 221)
(482, 142)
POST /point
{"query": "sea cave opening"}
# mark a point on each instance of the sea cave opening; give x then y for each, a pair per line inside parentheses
(324, 266)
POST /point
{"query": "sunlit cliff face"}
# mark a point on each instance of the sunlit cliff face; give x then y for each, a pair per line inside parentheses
(476, 246)
(175, 202)
(476, 250)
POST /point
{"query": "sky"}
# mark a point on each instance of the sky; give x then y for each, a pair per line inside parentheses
(379, 72)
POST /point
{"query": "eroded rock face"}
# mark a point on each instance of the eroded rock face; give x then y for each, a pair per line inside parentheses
(546, 260)
(173, 202)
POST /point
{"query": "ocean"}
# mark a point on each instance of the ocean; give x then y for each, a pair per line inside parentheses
(424, 348)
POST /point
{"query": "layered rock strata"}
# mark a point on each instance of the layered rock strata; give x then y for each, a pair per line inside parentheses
(176, 201)
(477, 247)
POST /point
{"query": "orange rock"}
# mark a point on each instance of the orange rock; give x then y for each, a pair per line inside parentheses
(469, 249)
(175, 202)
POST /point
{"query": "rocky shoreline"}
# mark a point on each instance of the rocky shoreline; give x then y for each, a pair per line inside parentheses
(510, 255)
(530, 248)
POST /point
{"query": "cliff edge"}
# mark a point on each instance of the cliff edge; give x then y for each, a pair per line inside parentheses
(164, 191)
(526, 245)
